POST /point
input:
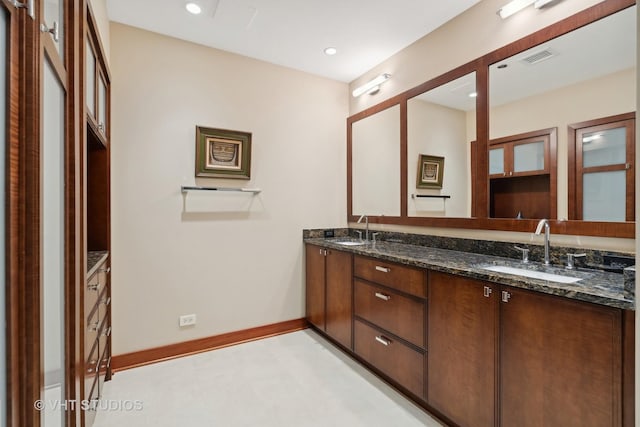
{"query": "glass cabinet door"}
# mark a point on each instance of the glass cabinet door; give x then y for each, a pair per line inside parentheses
(529, 157)
(102, 106)
(90, 79)
(496, 161)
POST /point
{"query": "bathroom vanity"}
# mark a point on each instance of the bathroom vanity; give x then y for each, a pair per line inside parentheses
(476, 346)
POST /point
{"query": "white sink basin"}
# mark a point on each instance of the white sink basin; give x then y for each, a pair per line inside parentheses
(351, 243)
(533, 274)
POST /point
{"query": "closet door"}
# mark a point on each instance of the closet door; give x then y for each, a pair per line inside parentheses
(56, 270)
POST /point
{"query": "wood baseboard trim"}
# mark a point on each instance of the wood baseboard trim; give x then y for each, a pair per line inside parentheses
(135, 359)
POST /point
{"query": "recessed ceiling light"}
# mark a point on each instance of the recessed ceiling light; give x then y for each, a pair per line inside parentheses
(193, 8)
(330, 51)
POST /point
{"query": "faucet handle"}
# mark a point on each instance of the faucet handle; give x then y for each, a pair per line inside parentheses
(374, 235)
(571, 260)
(525, 253)
(359, 234)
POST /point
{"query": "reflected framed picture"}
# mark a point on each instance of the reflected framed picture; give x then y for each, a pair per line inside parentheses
(222, 153)
(430, 171)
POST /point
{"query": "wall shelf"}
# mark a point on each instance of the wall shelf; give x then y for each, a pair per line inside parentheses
(187, 188)
(430, 196)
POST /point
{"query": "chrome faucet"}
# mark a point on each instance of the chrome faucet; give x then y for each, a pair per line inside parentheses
(544, 222)
(366, 219)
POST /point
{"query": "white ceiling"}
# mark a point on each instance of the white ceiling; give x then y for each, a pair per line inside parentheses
(294, 33)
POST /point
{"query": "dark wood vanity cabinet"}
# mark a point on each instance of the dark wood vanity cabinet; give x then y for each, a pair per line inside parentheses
(463, 331)
(390, 320)
(329, 275)
(477, 353)
(560, 362)
(511, 357)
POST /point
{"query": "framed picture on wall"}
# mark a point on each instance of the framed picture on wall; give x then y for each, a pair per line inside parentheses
(430, 171)
(222, 153)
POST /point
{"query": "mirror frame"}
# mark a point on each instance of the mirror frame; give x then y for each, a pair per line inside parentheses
(480, 184)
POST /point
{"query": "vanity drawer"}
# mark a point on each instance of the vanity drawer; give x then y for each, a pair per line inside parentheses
(398, 314)
(395, 359)
(400, 277)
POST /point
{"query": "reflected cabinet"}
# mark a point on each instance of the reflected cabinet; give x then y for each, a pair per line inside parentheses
(532, 130)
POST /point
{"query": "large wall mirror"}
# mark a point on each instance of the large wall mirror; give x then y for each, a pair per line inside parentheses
(554, 125)
(441, 123)
(375, 170)
(588, 74)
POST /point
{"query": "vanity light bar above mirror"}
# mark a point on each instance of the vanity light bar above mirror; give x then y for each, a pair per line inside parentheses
(515, 6)
(371, 86)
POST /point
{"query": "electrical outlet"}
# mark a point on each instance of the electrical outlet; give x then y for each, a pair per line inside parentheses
(187, 320)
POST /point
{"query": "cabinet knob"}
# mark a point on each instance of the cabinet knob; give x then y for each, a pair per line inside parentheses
(382, 340)
(506, 296)
(383, 296)
(55, 31)
(487, 291)
(383, 269)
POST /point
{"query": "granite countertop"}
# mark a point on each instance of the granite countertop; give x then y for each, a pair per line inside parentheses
(595, 286)
(95, 258)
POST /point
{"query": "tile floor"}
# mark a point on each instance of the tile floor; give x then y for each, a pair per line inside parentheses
(292, 380)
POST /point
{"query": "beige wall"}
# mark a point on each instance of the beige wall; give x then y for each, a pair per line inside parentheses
(235, 260)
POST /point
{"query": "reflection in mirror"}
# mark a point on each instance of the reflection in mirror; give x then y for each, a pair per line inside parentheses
(442, 122)
(586, 74)
(376, 164)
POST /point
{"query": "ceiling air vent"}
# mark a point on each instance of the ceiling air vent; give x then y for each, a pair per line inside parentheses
(538, 57)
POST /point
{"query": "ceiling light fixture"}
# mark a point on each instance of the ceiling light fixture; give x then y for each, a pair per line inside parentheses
(193, 8)
(541, 3)
(371, 86)
(512, 7)
(330, 51)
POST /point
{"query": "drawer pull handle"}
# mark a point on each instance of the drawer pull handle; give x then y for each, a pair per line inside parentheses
(93, 327)
(94, 287)
(382, 340)
(383, 296)
(105, 270)
(106, 301)
(383, 269)
(107, 332)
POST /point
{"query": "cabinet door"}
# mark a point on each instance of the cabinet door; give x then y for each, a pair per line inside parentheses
(461, 351)
(103, 105)
(560, 362)
(530, 156)
(315, 292)
(339, 274)
(497, 167)
(90, 79)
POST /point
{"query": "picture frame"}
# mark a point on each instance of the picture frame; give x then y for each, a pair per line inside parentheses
(430, 171)
(223, 153)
